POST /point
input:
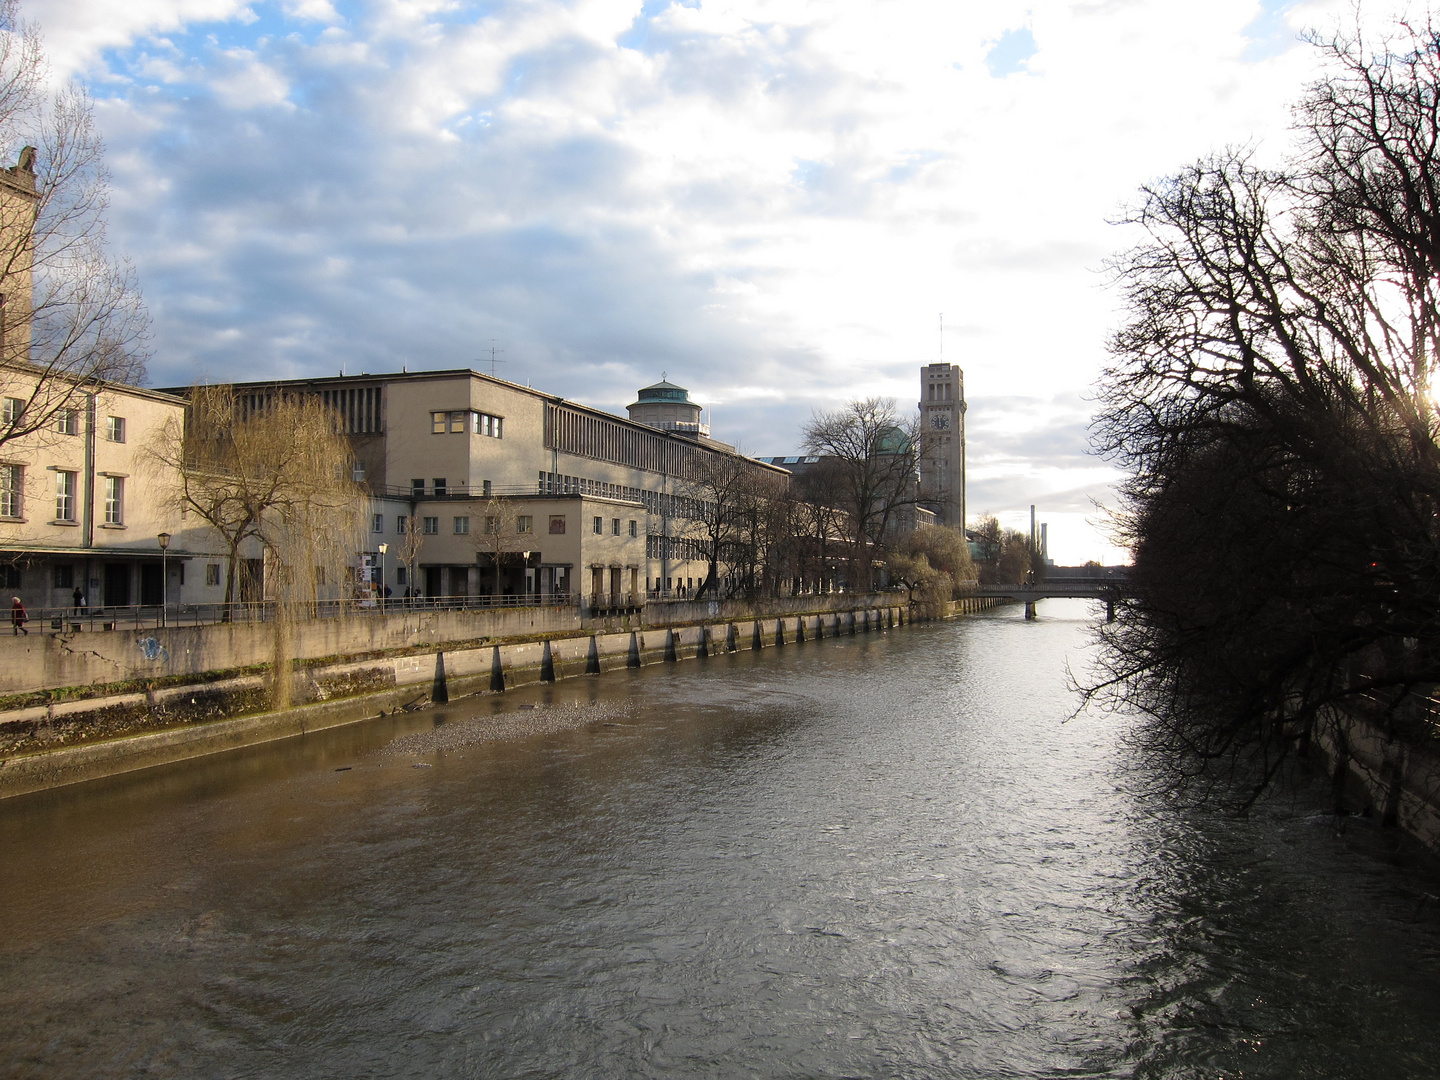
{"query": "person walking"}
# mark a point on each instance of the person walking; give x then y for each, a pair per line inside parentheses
(79, 600)
(18, 617)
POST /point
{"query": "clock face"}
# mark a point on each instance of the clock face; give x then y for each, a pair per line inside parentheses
(940, 421)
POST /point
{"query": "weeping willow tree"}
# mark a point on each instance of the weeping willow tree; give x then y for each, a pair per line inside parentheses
(269, 471)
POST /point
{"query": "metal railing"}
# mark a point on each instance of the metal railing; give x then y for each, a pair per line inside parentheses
(153, 617)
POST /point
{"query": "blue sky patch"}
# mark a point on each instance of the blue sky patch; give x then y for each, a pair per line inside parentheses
(1269, 34)
(1011, 53)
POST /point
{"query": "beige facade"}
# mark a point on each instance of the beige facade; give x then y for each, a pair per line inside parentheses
(942, 443)
(438, 446)
(79, 508)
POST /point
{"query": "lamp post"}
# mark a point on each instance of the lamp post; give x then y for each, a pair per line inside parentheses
(164, 539)
(380, 592)
(525, 587)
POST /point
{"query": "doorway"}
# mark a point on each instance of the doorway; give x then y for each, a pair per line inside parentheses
(117, 584)
(152, 586)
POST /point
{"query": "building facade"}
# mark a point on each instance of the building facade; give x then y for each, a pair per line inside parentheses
(483, 487)
(82, 511)
(942, 443)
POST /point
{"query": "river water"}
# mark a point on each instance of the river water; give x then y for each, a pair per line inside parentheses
(879, 856)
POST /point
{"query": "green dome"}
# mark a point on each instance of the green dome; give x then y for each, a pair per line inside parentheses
(665, 391)
(892, 441)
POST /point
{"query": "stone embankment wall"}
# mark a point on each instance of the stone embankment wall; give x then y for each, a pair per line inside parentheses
(1393, 780)
(179, 707)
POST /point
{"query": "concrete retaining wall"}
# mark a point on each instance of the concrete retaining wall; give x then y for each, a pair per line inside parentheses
(66, 742)
(1394, 781)
(47, 661)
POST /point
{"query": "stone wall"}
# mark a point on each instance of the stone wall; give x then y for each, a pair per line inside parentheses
(54, 660)
(69, 741)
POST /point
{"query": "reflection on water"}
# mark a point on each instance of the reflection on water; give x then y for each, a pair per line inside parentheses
(875, 856)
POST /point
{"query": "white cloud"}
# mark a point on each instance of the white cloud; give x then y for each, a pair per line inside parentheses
(771, 199)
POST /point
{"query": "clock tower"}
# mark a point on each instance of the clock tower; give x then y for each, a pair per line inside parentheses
(942, 442)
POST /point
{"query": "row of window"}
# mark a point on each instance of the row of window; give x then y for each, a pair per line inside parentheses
(461, 421)
(12, 495)
(674, 548)
(62, 575)
(656, 502)
(524, 523)
(66, 421)
(440, 487)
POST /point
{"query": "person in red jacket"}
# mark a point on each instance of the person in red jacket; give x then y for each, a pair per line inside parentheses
(18, 617)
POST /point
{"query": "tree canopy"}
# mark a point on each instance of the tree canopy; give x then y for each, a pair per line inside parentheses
(1271, 400)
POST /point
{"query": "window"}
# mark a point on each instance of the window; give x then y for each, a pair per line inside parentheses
(9, 576)
(400, 575)
(417, 489)
(632, 529)
(11, 410)
(457, 422)
(524, 524)
(441, 486)
(438, 422)
(377, 523)
(431, 526)
(462, 526)
(67, 421)
(64, 496)
(492, 525)
(485, 424)
(357, 472)
(212, 574)
(114, 500)
(614, 526)
(12, 490)
(400, 524)
(64, 575)
(557, 524)
(599, 526)
(182, 571)
(486, 487)
(115, 428)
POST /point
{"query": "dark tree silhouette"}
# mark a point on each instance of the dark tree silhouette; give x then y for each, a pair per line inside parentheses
(1271, 402)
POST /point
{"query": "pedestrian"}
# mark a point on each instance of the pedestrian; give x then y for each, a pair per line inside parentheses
(18, 618)
(79, 598)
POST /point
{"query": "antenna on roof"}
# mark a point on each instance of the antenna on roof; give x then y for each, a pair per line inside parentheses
(492, 361)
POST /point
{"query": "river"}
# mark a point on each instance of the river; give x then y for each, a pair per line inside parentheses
(886, 855)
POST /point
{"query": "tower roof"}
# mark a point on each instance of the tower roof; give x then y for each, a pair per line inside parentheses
(664, 390)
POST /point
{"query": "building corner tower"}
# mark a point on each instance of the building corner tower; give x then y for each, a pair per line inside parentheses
(942, 442)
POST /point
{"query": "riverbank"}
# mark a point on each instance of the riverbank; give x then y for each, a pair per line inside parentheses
(68, 738)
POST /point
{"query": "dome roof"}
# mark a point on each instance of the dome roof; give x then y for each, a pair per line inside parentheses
(665, 390)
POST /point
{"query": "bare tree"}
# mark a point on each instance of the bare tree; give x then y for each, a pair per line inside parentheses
(277, 475)
(874, 456)
(725, 500)
(1272, 401)
(495, 540)
(70, 313)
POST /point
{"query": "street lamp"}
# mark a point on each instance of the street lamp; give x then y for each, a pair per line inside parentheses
(380, 592)
(164, 539)
(526, 570)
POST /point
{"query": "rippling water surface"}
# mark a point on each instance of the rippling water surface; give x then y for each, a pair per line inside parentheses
(880, 856)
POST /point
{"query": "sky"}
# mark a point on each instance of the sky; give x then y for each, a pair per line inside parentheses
(771, 202)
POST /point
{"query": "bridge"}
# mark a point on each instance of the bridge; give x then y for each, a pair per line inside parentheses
(1106, 589)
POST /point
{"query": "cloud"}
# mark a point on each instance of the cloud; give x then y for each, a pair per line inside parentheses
(771, 201)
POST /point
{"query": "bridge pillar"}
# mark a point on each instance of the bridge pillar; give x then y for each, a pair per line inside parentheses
(1110, 610)
(1030, 609)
